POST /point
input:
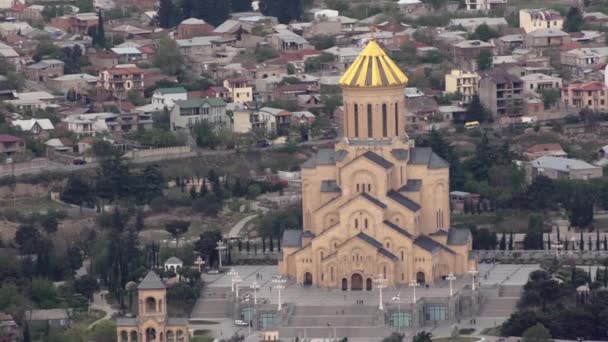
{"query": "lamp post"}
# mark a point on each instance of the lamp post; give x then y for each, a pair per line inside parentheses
(221, 247)
(473, 271)
(413, 284)
(233, 274)
(237, 280)
(380, 284)
(255, 286)
(279, 284)
(398, 299)
(558, 247)
(451, 278)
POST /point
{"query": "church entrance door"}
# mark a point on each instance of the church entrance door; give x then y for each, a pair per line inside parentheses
(307, 279)
(420, 279)
(368, 284)
(356, 282)
(344, 284)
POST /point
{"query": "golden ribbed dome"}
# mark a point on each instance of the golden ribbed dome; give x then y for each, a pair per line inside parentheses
(373, 68)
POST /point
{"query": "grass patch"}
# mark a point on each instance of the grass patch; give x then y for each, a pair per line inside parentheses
(35, 205)
(515, 221)
(456, 339)
(86, 318)
(203, 322)
(494, 331)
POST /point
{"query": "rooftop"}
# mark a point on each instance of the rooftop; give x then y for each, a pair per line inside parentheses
(373, 68)
(561, 164)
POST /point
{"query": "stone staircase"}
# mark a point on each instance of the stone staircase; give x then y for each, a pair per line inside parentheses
(503, 305)
(213, 303)
(330, 321)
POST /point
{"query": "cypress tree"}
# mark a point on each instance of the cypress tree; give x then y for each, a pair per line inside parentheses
(581, 242)
(100, 37)
(511, 241)
(597, 240)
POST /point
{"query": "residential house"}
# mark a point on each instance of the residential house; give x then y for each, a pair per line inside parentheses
(462, 82)
(239, 89)
(43, 319)
(10, 144)
(166, 97)
(15, 28)
(61, 145)
(470, 24)
(269, 119)
(540, 82)
(597, 18)
(77, 23)
(43, 70)
(187, 113)
(310, 101)
(502, 93)
(265, 70)
(562, 168)
(16, 12)
(546, 38)
(578, 62)
(345, 56)
(33, 100)
(460, 199)
(484, 5)
(302, 117)
(96, 123)
(290, 92)
(542, 150)
(9, 54)
(120, 79)
(466, 52)
(9, 330)
(34, 126)
(199, 48)
(592, 95)
(534, 19)
(193, 27)
(127, 55)
(595, 38)
(296, 58)
(80, 83)
(285, 40)
(507, 43)
(211, 92)
(452, 113)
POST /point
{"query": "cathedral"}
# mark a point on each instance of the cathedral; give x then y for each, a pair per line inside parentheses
(374, 205)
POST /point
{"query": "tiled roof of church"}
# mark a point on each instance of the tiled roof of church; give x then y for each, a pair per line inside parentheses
(325, 156)
(126, 321)
(292, 238)
(412, 185)
(404, 201)
(430, 245)
(378, 159)
(398, 229)
(151, 282)
(376, 244)
(400, 153)
(373, 200)
(424, 155)
(329, 185)
(458, 236)
(373, 68)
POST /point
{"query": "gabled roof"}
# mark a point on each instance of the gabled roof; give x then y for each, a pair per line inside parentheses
(398, 229)
(373, 242)
(151, 282)
(174, 90)
(292, 238)
(412, 185)
(377, 159)
(458, 237)
(324, 156)
(329, 185)
(374, 200)
(426, 156)
(430, 245)
(404, 201)
(173, 260)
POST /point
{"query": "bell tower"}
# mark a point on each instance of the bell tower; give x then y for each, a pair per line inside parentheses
(374, 103)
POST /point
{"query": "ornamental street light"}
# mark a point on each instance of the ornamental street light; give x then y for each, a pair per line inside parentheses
(279, 284)
(397, 298)
(233, 273)
(451, 278)
(380, 282)
(221, 247)
(237, 280)
(413, 284)
(473, 272)
(255, 286)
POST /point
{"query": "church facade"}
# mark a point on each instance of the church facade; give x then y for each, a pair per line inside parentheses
(375, 204)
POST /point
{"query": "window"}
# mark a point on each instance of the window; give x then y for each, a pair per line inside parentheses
(357, 187)
(402, 255)
(356, 122)
(369, 188)
(268, 320)
(370, 128)
(365, 223)
(321, 254)
(384, 271)
(356, 223)
(403, 319)
(435, 312)
(384, 119)
(388, 245)
(331, 273)
(396, 119)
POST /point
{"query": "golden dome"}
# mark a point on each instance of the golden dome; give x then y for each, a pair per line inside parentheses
(373, 68)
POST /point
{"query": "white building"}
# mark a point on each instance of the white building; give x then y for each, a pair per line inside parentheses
(187, 113)
(484, 5)
(166, 97)
(92, 123)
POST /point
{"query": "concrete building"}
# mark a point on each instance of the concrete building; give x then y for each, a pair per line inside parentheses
(285, 40)
(466, 52)
(43, 70)
(462, 82)
(97, 123)
(193, 27)
(166, 97)
(120, 79)
(470, 24)
(78, 23)
(534, 19)
(80, 83)
(152, 322)
(48, 318)
(592, 95)
(562, 168)
(10, 144)
(579, 61)
(538, 82)
(374, 205)
(546, 38)
(484, 5)
(502, 93)
(187, 113)
(239, 89)
(541, 150)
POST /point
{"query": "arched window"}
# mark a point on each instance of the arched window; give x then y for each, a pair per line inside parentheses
(396, 119)
(369, 188)
(388, 245)
(321, 255)
(150, 304)
(356, 120)
(356, 223)
(370, 121)
(331, 273)
(402, 255)
(384, 121)
(384, 271)
(365, 223)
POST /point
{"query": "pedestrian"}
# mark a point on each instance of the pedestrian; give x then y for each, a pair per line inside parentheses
(270, 288)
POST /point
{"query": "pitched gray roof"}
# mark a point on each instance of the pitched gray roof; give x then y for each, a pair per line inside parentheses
(430, 245)
(151, 282)
(173, 260)
(426, 156)
(292, 238)
(373, 200)
(324, 156)
(400, 153)
(377, 245)
(340, 154)
(412, 185)
(378, 159)
(126, 321)
(458, 236)
(404, 201)
(398, 229)
(308, 234)
(177, 321)
(329, 185)
(440, 232)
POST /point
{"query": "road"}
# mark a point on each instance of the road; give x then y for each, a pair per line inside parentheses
(58, 167)
(235, 231)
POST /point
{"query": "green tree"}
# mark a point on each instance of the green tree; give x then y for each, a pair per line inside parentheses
(476, 111)
(75, 257)
(550, 97)
(484, 32)
(205, 135)
(136, 98)
(206, 245)
(168, 58)
(322, 41)
(15, 80)
(534, 234)
(485, 60)
(284, 10)
(423, 336)
(86, 286)
(78, 191)
(537, 333)
(102, 148)
(104, 331)
(114, 179)
(28, 238)
(10, 297)
(43, 293)
(253, 191)
(574, 20)
(241, 5)
(264, 53)
(394, 337)
(177, 228)
(50, 223)
(85, 6)
(167, 14)
(99, 38)
(217, 11)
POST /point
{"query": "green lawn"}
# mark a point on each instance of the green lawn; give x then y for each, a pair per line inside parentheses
(495, 331)
(36, 205)
(456, 339)
(499, 221)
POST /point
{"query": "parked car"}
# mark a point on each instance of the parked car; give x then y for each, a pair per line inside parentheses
(79, 161)
(240, 323)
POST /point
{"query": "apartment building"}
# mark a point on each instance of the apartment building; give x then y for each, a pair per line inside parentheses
(539, 82)
(578, 61)
(592, 95)
(187, 113)
(484, 5)
(466, 52)
(547, 38)
(120, 79)
(43, 70)
(78, 23)
(462, 82)
(534, 19)
(239, 89)
(502, 93)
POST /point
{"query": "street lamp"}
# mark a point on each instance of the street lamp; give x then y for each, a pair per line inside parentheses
(279, 285)
(380, 282)
(233, 274)
(451, 278)
(558, 246)
(255, 286)
(473, 271)
(398, 299)
(413, 284)
(237, 279)
(221, 247)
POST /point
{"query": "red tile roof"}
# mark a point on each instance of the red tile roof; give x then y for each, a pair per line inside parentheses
(589, 86)
(544, 148)
(125, 71)
(5, 138)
